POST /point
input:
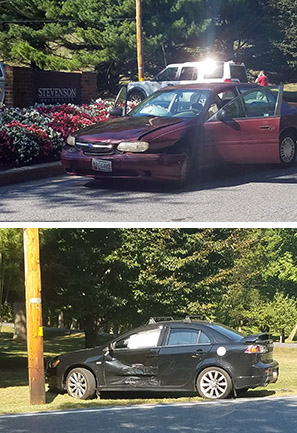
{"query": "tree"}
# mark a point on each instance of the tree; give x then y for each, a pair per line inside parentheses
(286, 11)
(78, 278)
(12, 280)
(101, 36)
(11, 267)
(123, 276)
(279, 315)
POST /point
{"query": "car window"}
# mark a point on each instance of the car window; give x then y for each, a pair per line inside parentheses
(212, 110)
(227, 332)
(173, 103)
(168, 74)
(238, 72)
(188, 73)
(179, 337)
(148, 338)
(259, 103)
(243, 89)
(216, 71)
(234, 109)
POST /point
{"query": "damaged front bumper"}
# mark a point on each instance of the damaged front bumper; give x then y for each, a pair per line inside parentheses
(143, 166)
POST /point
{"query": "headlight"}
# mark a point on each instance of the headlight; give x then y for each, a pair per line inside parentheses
(70, 140)
(133, 146)
(53, 363)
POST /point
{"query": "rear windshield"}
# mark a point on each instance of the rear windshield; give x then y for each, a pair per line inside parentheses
(228, 332)
(238, 72)
(1, 71)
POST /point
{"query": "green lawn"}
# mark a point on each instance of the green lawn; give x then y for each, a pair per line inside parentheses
(14, 389)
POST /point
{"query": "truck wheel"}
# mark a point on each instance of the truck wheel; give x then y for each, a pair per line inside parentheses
(136, 96)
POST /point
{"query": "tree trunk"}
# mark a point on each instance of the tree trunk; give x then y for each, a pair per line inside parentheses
(292, 334)
(61, 320)
(91, 331)
(282, 336)
(19, 317)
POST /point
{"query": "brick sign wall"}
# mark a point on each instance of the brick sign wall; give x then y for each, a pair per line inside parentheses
(25, 86)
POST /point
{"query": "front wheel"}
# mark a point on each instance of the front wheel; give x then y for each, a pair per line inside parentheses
(136, 96)
(214, 383)
(287, 149)
(81, 384)
(188, 168)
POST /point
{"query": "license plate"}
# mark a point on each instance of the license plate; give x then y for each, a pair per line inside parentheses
(101, 165)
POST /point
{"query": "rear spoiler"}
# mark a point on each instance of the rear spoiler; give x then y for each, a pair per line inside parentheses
(257, 338)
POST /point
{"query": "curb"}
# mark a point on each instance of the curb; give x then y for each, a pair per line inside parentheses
(24, 174)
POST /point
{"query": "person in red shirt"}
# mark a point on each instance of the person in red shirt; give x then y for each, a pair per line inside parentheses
(262, 79)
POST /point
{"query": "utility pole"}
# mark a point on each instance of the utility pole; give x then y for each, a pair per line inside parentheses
(34, 316)
(139, 40)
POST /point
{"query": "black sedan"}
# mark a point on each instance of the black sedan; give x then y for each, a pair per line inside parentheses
(168, 356)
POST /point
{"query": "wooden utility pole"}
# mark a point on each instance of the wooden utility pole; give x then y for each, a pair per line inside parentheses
(34, 317)
(139, 40)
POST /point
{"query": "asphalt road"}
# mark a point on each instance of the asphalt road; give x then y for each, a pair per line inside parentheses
(265, 415)
(234, 194)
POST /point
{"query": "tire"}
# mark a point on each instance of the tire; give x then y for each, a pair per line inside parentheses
(214, 383)
(287, 149)
(136, 96)
(187, 170)
(81, 384)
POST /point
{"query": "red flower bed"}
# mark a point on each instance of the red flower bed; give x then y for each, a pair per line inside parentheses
(37, 134)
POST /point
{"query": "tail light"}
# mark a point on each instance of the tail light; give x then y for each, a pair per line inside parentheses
(256, 348)
(227, 80)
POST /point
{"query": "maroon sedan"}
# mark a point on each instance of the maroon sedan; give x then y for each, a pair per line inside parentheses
(176, 130)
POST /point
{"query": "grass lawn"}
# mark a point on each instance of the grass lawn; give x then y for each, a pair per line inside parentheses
(14, 389)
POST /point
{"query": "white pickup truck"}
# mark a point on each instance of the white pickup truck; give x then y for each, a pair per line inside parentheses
(207, 71)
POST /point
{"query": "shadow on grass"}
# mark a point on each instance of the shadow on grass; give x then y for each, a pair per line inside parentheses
(252, 393)
(50, 396)
(139, 398)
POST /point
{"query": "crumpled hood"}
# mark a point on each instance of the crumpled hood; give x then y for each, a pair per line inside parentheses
(124, 128)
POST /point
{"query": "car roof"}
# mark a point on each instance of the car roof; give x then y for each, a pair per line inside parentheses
(209, 86)
(230, 62)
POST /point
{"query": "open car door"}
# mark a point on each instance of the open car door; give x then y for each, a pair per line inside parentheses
(120, 104)
(246, 130)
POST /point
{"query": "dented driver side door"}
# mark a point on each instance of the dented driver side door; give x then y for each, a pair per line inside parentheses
(131, 362)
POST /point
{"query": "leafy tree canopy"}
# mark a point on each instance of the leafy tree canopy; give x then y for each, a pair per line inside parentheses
(101, 34)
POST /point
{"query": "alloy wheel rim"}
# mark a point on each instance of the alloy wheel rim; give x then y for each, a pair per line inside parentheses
(136, 99)
(77, 385)
(287, 149)
(213, 384)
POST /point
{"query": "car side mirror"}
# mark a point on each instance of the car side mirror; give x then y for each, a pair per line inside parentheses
(116, 111)
(110, 348)
(221, 115)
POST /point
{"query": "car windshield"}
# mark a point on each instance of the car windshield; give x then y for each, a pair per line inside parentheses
(173, 103)
(228, 332)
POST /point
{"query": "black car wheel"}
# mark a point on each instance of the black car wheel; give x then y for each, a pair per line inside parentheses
(287, 149)
(136, 96)
(214, 383)
(81, 384)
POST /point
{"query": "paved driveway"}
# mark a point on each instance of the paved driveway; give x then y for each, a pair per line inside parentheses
(265, 415)
(235, 194)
